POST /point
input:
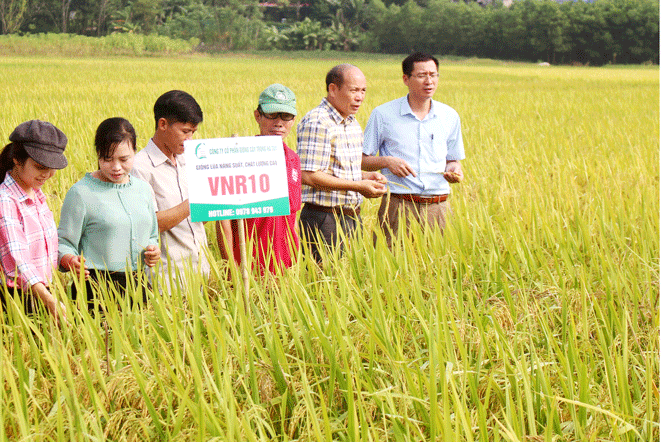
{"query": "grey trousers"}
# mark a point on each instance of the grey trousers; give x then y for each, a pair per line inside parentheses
(333, 228)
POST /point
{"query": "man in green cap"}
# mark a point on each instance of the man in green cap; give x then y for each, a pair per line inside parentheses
(274, 239)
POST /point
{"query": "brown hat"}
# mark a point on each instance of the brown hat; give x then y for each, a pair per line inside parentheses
(44, 142)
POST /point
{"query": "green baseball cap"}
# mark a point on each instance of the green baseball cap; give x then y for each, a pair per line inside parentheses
(278, 98)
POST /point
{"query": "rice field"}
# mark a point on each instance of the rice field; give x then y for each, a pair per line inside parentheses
(533, 317)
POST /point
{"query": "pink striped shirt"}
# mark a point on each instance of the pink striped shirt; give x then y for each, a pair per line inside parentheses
(28, 236)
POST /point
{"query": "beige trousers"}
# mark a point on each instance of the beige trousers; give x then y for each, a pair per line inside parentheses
(393, 210)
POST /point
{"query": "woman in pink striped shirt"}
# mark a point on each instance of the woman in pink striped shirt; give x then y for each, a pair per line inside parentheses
(28, 234)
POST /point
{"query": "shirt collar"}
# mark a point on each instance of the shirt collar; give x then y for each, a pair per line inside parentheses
(405, 109)
(335, 115)
(18, 192)
(157, 157)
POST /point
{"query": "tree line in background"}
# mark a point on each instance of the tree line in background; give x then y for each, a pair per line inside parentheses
(597, 32)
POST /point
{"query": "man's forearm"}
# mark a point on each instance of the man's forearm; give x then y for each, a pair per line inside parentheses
(169, 218)
(371, 186)
(373, 162)
(324, 181)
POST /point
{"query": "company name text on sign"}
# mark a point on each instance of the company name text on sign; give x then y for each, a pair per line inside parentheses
(231, 178)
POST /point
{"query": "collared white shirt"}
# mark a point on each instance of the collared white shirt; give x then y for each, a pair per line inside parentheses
(186, 241)
(394, 130)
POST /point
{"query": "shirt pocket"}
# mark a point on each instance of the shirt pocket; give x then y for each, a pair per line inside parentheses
(438, 146)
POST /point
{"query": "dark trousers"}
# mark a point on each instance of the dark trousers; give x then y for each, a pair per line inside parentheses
(332, 226)
(28, 300)
(115, 281)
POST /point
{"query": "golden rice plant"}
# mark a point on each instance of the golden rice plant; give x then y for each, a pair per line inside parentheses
(533, 317)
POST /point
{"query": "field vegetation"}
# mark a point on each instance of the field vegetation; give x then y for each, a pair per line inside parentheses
(567, 32)
(533, 317)
(70, 45)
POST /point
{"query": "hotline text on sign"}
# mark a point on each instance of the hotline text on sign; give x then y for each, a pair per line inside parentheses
(231, 178)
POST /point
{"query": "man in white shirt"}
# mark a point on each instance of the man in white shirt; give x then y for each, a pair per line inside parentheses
(162, 164)
(419, 146)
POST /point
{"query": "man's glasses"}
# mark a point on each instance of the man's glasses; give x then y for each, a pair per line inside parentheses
(284, 116)
(424, 76)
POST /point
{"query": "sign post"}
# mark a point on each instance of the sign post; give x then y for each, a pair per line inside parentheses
(237, 178)
(244, 266)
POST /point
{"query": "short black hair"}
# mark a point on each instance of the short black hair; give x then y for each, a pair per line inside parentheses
(110, 133)
(416, 57)
(177, 106)
(336, 75)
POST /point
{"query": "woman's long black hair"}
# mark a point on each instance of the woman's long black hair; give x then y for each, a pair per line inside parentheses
(11, 152)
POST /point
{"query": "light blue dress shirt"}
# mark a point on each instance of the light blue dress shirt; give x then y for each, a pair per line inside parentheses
(394, 130)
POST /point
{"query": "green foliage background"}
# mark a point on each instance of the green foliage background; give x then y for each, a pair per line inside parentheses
(534, 316)
(587, 32)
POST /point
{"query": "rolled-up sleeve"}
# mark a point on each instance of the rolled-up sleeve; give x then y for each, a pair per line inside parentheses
(371, 141)
(455, 144)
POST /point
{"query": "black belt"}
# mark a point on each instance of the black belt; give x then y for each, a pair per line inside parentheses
(334, 209)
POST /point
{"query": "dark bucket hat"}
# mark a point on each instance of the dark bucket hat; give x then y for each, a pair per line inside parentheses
(43, 142)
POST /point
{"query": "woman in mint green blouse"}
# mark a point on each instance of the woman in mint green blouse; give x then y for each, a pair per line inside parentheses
(107, 224)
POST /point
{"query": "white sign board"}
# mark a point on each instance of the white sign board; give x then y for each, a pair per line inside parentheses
(232, 178)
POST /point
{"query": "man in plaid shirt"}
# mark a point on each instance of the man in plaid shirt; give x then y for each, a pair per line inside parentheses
(330, 147)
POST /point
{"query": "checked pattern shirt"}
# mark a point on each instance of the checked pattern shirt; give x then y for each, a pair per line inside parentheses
(332, 144)
(28, 236)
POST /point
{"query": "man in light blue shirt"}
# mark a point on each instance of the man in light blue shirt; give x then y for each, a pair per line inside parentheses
(419, 146)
